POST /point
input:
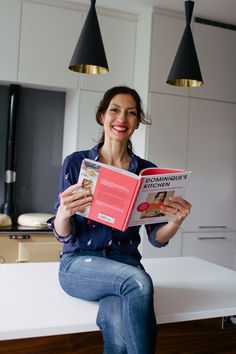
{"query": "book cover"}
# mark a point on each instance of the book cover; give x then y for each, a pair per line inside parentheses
(114, 191)
(157, 185)
(122, 199)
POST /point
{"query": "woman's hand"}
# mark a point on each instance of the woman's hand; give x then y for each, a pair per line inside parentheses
(176, 208)
(74, 199)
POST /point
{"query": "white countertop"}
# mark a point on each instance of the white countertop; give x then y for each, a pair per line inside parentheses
(189, 288)
(33, 304)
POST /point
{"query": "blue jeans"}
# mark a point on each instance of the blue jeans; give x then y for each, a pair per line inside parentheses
(125, 293)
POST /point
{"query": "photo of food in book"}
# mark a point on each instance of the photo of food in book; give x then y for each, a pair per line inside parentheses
(154, 202)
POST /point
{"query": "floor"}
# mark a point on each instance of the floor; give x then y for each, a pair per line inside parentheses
(190, 337)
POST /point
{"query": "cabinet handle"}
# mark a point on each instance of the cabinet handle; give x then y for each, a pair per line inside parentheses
(19, 237)
(212, 227)
(212, 238)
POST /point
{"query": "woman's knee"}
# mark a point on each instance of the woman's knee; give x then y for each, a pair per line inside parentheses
(110, 322)
(145, 282)
(140, 283)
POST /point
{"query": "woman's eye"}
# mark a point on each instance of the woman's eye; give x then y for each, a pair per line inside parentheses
(114, 110)
(133, 113)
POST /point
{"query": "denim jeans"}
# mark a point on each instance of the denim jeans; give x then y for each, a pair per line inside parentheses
(125, 293)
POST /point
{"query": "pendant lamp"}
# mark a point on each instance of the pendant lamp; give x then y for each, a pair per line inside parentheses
(185, 71)
(89, 55)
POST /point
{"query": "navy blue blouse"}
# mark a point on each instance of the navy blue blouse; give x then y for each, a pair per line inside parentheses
(90, 235)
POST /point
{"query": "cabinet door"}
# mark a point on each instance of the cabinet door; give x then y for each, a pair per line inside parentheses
(39, 248)
(19, 247)
(211, 157)
(216, 48)
(217, 247)
(173, 249)
(8, 249)
(48, 38)
(167, 137)
(9, 38)
(88, 102)
(38, 251)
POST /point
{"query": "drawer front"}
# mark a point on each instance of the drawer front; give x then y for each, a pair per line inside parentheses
(8, 250)
(26, 247)
(40, 251)
(219, 248)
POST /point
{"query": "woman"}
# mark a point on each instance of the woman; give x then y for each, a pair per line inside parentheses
(101, 263)
(154, 208)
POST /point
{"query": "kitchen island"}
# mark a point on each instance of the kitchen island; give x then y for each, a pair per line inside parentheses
(34, 306)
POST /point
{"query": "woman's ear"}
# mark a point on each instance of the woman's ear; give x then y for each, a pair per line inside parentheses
(101, 120)
(137, 124)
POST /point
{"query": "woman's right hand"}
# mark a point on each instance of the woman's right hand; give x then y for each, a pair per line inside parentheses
(74, 199)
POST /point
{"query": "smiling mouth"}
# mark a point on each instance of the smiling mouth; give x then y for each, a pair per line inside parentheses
(119, 128)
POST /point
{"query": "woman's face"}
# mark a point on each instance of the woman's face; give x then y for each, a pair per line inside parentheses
(120, 119)
(160, 197)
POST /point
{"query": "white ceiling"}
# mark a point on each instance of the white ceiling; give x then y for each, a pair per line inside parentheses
(218, 10)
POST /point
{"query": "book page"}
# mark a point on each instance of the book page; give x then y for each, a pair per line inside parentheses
(154, 190)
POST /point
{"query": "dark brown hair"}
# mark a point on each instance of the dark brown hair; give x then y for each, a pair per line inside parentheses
(108, 96)
(157, 195)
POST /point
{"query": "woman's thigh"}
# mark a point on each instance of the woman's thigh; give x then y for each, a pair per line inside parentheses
(93, 277)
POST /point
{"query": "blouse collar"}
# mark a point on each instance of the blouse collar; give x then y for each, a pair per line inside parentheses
(133, 165)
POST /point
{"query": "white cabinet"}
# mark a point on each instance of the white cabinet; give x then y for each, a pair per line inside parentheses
(216, 247)
(83, 133)
(9, 38)
(216, 48)
(167, 138)
(197, 132)
(38, 40)
(166, 146)
(173, 249)
(211, 157)
(217, 67)
(48, 38)
(88, 102)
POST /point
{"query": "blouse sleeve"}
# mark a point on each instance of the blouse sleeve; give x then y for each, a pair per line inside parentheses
(151, 232)
(51, 226)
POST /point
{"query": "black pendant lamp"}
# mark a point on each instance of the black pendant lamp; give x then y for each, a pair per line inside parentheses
(185, 71)
(89, 56)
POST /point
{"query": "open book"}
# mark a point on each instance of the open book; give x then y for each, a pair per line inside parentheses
(122, 199)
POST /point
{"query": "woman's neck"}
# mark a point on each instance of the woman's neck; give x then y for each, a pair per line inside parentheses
(115, 155)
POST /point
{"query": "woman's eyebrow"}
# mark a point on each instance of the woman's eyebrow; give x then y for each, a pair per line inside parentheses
(115, 104)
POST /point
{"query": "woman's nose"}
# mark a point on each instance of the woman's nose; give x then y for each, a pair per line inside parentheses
(122, 116)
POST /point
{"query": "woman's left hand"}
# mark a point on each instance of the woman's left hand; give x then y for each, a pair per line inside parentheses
(176, 208)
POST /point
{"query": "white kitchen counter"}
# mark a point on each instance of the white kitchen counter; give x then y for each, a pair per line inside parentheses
(32, 303)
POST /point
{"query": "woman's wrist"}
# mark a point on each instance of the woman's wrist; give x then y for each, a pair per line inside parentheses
(63, 225)
(165, 233)
(175, 223)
